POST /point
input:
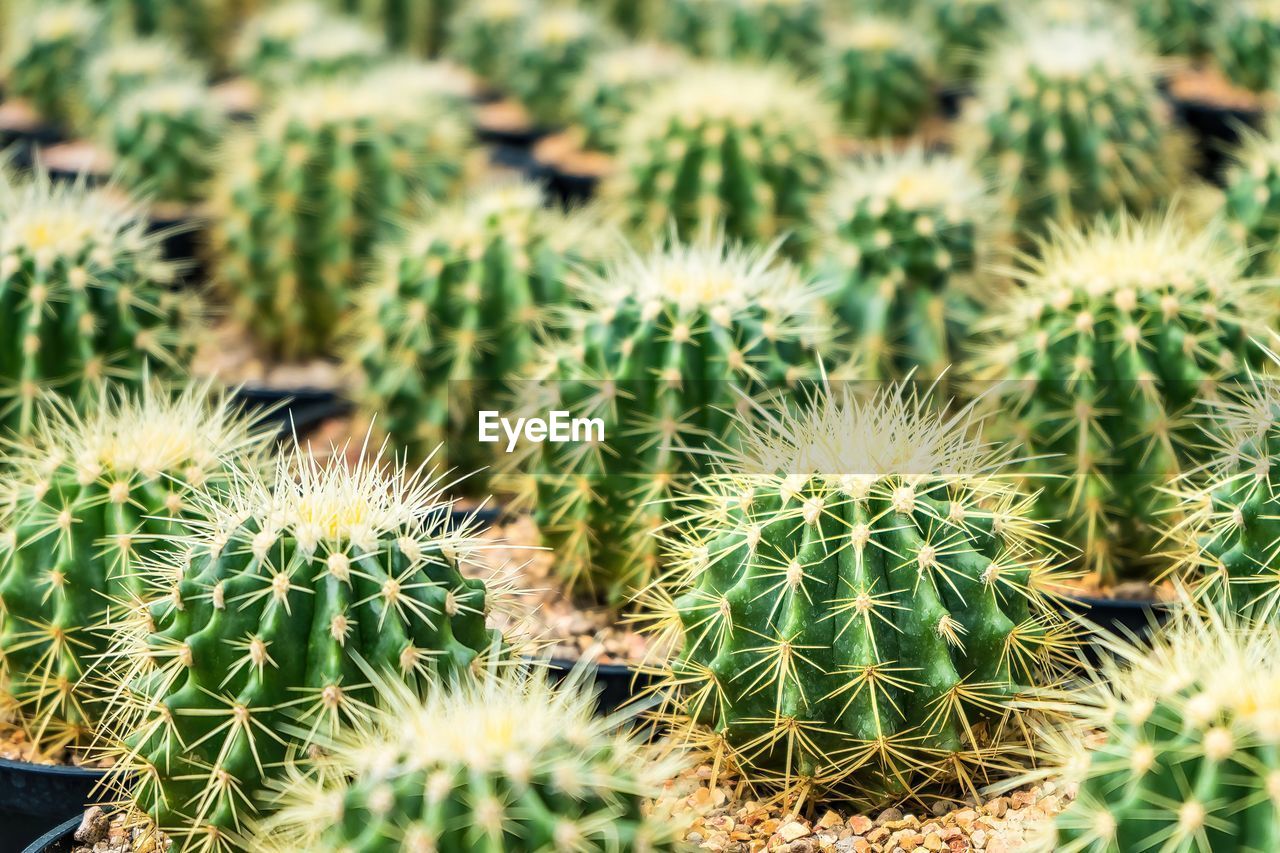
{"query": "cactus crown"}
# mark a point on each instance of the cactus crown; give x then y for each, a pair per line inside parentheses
(912, 179)
(878, 33)
(1066, 51)
(486, 751)
(120, 68)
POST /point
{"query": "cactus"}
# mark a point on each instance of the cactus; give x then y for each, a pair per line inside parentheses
(670, 342)
(1246, 43)
(743, 146)
(1189, 744)
(301, 202)
(203, 27)
(86, 293)
(456, 309)
(255, 634)
(549, 57)
(966, 30)
(299, 42)
(783, 30)
(122, 68)
(862, 599)
(507, 765)
(46, 47)
(484, 32)
(617, 82)
(1105, 357)
(416, 26)
(163, 137)
(86, 499)
(902, 232)
(1069, 119)
(1178, 27)
(880, 72)
(1252, 204)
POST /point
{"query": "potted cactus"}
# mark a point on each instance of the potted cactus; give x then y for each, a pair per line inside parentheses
(967, 29)
(1252, 204)
(45, 51)
(881, 72)
(786, 31)
(300, 41)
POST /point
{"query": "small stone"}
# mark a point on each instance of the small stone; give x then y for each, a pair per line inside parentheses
(792, 830)
(829, 820)
(933, 841)
(940, 807)
(860, 824)
(997, 807)
(93, 826)
(978, 840)
(889, 815)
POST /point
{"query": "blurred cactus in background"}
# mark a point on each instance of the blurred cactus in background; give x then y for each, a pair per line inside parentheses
(414, 26)
(1247, 43)
(300, 41)
(484, 33)
(1252, 203)
(549, 55)
(615, 84)
(1179, 27)
(881, 73)
(786, 31)
(121, 67)
(45, 51)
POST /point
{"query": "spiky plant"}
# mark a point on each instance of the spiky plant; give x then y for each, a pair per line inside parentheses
(255, 634)
(46, 46)
(484, 31)
(505, 765)
(85, 499)
(1252, 204)
(669, 345)
(860, 597)
(880, 71)
(1181, 27)
(300, 203)
(85, 295)
(636, 18)
(299, 41)
(903, 231)
(1069, 119)
(549, 57)
(121, 68)
(966, 30)
(204, 28)
(1189, 745)
(743, 146)
(782, 30)
(615, 83)
(455, 310)
(416, 26)
(1246, 43)
(163, 137)
(1114, 344)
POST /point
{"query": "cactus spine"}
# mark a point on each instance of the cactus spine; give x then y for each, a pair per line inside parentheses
(862, 599)
(880, 72)
(85, 499)
(902, 231)
(507, 765)
(669, 341)
(1252, 204)
(301, 201)
(46, 48)
(782, 30)
(1247, 43)
(1191, 754)
(299, 41)
(740, 147)
(549, 57)
(86, 290)
(254, 638)
(1111, 349)
(615, 84)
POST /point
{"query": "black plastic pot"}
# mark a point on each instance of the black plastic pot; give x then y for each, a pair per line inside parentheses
(295, 411)
(60, 839)
(21, 143)
(34, 796)
(618, 684)
(951, 100)
(566, 188)
(180, 240)
(1100, 617)
(1216, 130)
(61, 171)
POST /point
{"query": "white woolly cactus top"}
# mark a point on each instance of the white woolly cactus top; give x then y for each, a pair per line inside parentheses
(166, 97)
(633, 63)
(137, 57)
(1267, 10)
(325, 103)
(1068, 51)
(879, 33)
(283, 23)
(54, 22)
(51, 222)
(498, 10)
(910, 179)
(424, 79)
(336, 39)
(561, 25)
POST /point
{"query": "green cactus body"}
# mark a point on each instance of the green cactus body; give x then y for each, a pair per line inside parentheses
(902, 231)
(485, 32)
(635, 18)
(1247, 43)
(1106, 356)
(1252, 203)
(86, 293)
(549, 57)
(249, 645)
(738, 147)
(1179, 27)
(861, 598)
(86, 498)
(163, 137)
(46, 48)
(121, 69)
(203, 27)
(301, 201)
(299, 42)
(1190, 755)
(416, 26)
(664, 354)
(456, 309)
(966, 29)
(880, 72)
(615, 84)
(1069, 120)
(507, 765)
(782, 30)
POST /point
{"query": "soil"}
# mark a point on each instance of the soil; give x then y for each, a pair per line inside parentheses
(100, 832)
(17, 114)
(14, 746)
(1091, 586)
(237, 96)
(1206, 84)
(718, 815)
(77, 157)
(230, 354)
(562, 152)
(504, 116)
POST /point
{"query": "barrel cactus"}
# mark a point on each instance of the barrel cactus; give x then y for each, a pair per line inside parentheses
(506, 765)
(902, 230)
(783, 30)
(301, 201)
(87, 294)
(455, 310)
(300, 41)
(163, 137)
(739, 145)
(1252, 204)
(1069, 119)
(415, 26)
(1188, 753)
(615, 83)
(46, 47)
(547, 59)
(880, 71)
(663, 354)
(966, 30)
(85, 500)
(861, 600)
(484, 32)
(257, 633)
(1116, 343)
(204, 28)
(123, 67)
(1247, 43)
(1179, 27)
